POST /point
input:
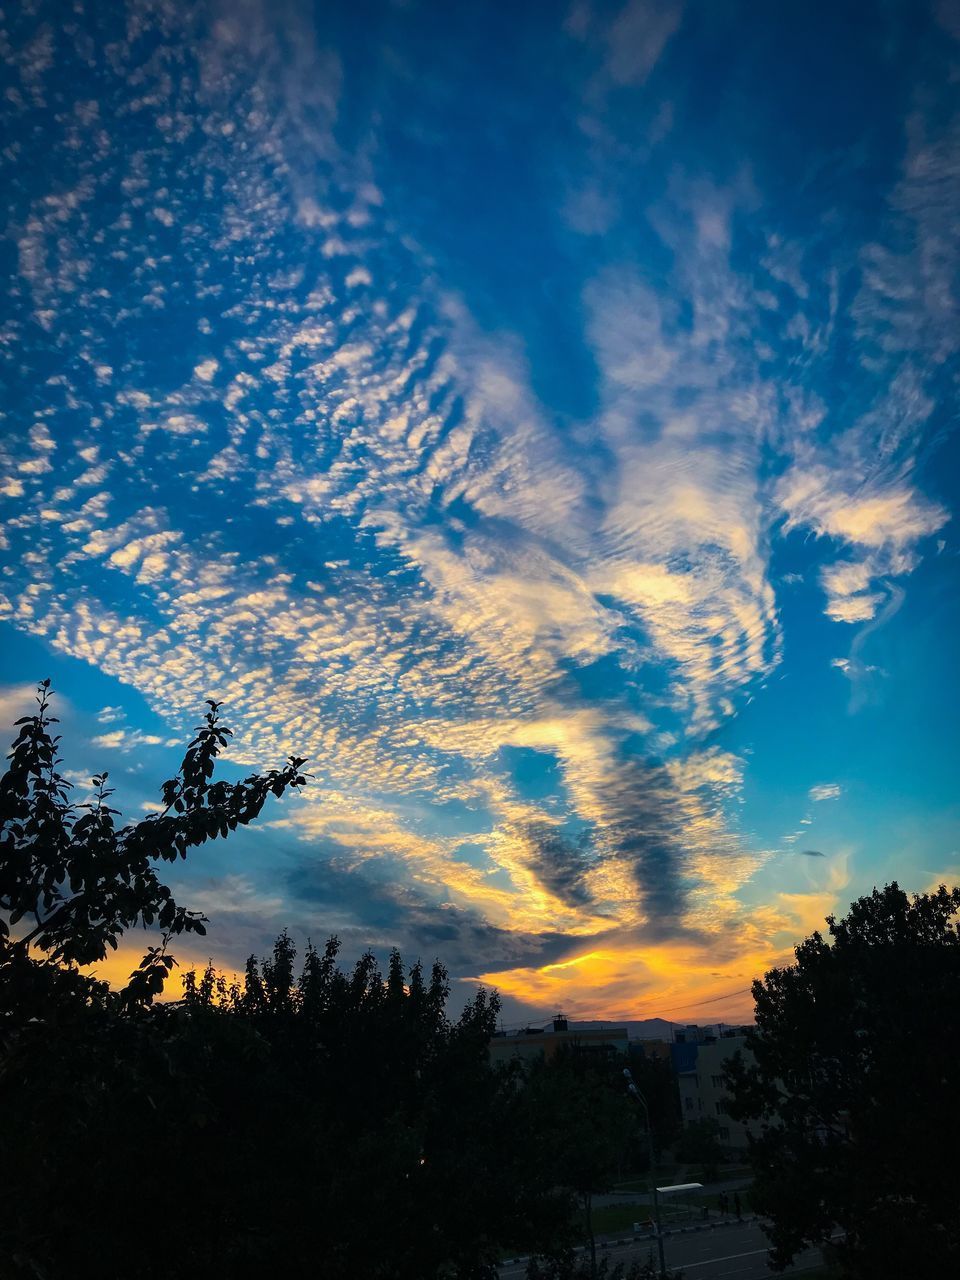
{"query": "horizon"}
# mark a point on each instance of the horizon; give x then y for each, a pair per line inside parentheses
(550, 437)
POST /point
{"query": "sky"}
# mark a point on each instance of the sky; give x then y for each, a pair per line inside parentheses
(542, 417)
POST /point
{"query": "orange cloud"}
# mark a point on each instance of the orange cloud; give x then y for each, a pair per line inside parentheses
(665, 980)
(686, 981)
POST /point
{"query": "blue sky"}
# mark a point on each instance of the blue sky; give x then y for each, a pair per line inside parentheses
(542, 417)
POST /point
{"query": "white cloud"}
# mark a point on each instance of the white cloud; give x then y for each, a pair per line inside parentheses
(206, 370)
(893, 517)
(127, 740)
(858, 607)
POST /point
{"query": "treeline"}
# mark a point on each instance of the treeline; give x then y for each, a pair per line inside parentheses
(310, 1119)
(335, 1123)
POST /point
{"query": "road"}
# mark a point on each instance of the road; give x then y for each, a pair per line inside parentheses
(734, 1253)
(725, 1253)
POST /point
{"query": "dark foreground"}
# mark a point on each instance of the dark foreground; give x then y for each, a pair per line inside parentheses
(734, 1252)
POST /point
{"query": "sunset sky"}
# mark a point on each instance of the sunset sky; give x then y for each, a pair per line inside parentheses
(541, 416)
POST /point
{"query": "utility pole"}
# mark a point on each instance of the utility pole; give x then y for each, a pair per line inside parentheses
(641, 1100)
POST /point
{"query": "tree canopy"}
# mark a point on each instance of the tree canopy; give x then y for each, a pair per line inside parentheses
(307, 1118)
(852, 1096)
(79, 879)
(587, 1125)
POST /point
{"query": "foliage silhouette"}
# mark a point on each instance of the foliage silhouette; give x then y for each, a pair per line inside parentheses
(331, 1122)
(80, 879)
(90, 1079)
(588, 1125)
(853, 1096)
(318, 1120)
(656, 1081)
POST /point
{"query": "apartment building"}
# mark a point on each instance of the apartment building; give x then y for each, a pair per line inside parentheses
(544, 1042)
(699, 1066)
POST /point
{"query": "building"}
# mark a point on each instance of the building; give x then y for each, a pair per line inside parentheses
(653, 1050)
(544, 1042)
(699, 1067)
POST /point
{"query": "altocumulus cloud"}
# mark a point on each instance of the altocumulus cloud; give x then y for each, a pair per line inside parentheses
(826, 791)
(265, 451)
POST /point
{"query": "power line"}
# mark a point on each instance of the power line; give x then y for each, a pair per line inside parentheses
(695, 1004)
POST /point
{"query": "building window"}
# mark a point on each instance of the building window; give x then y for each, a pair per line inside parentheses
(689, 1103)
(724, 1135)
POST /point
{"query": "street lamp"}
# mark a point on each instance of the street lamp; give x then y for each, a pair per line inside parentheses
(657, 1191)
(641, 1101)
(639, 1098)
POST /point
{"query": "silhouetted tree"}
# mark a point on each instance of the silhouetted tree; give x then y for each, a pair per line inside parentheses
(656, 1080)
(699, 1143)
(853, 1096)
(102, 1097)
(78, 879)
(318, 1121)
(426, 1164)
(586, 1123)
(324, 1123)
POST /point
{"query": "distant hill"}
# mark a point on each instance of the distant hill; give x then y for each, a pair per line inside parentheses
(637, 1028)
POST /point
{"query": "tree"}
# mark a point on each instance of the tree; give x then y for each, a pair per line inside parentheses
(290, 1122)
(287, 1123)
(700, 1144)
(656, 1082)
(853, 1094)
(586, 1123)
(80, 880)
(422, 1162)
(91, 1079)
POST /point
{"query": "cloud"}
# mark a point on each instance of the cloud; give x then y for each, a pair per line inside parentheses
(638, 981)
(632, 42)
(328, 481)
(826, 791)
(17, 700)
(127, 740)
(206, 370)
(637, 38)
(894, 518)
(885, 526)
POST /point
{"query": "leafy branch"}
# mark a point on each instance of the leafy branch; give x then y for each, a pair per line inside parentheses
(82, 880)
